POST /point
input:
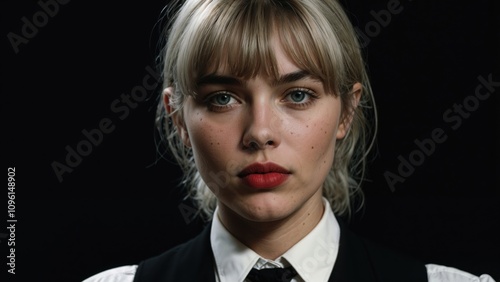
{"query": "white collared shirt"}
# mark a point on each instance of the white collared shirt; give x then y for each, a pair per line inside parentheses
(313, 258)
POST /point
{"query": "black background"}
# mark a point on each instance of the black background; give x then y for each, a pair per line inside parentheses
(120, 205)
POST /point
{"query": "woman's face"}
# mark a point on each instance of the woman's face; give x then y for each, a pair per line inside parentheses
(263, 147)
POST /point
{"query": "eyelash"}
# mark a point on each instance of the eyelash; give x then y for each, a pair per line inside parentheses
(311, 97)
(219, 108)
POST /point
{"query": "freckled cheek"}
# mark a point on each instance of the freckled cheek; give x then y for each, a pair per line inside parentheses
(210, 143)
(320, 143)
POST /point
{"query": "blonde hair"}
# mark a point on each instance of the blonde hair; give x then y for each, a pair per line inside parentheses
(315, 34)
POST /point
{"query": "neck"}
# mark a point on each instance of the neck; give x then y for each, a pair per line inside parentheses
(271, 239)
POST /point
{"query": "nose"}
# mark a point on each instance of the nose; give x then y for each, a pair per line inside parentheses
(262, 127)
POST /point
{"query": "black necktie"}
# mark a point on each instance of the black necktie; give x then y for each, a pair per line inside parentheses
(272, 274)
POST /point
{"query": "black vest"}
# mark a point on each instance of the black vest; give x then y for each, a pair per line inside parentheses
(357, 261)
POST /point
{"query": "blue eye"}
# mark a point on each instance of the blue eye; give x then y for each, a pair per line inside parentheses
(221, 99)
(298, 96)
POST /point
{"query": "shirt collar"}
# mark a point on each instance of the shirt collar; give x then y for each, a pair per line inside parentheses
(233, 260)
(312, 257)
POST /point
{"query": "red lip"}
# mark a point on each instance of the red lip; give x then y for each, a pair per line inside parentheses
(264, 176)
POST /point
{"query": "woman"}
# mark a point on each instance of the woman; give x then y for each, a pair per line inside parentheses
(268, 109)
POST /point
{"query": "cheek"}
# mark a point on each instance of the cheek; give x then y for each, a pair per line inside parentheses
(322, 143)
(210, 143)
(314, 141)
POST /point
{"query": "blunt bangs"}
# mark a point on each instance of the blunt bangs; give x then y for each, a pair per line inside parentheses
(237, 37)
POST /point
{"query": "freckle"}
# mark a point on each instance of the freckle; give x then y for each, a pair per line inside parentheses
(325, 132)
(307, 126)
(303, 223)
(218, 143)
(211, 143)
(324, 162)
(312, 147)
(291, 132)
(201, 119)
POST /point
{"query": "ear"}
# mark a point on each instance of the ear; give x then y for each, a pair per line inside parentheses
(175, 115)
(348, 116)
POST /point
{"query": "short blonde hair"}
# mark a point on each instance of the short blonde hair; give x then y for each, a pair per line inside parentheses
(315, 34)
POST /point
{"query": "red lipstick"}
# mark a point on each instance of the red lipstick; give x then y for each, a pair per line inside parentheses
(264, 176)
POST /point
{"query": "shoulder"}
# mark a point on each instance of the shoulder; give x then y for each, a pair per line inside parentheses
(190, 261)
(383, 257)
(127, 273)
(392, 261)
(173, 263)
(379, 263)
(119, 274)
(183, 254)
(179, 254)
(440, 273)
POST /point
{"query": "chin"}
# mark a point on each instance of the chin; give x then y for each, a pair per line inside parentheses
(266, 209)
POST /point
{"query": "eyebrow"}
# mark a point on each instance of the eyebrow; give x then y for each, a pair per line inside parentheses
(293, 77)
(230, 80)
